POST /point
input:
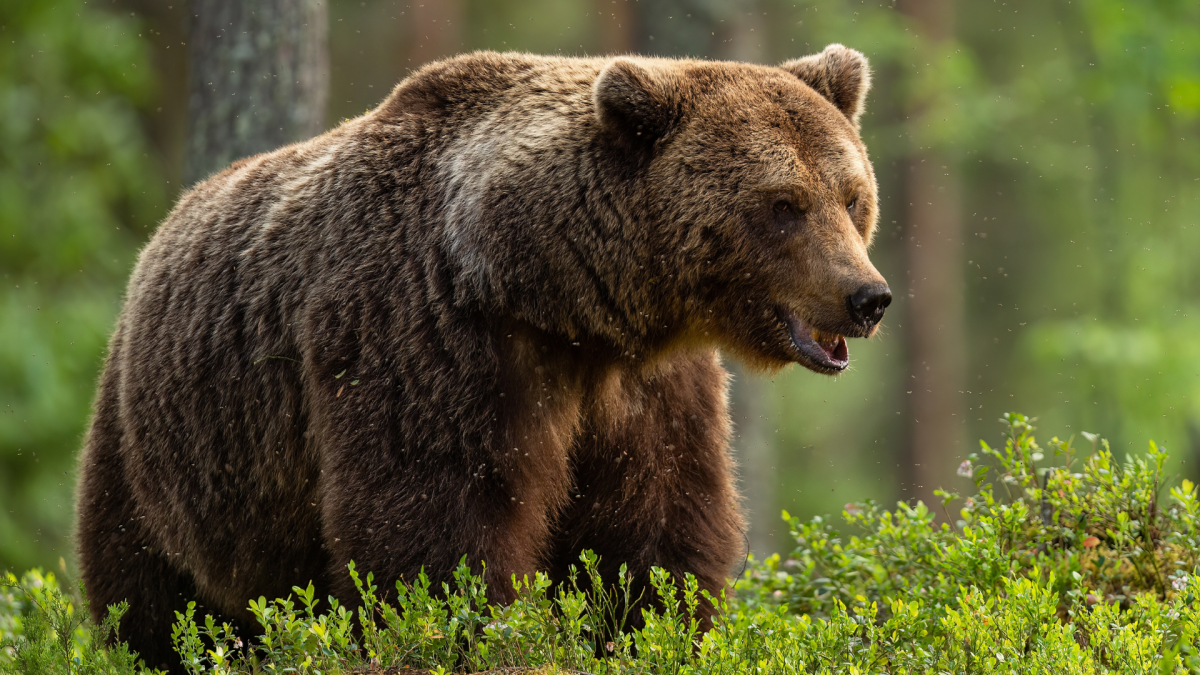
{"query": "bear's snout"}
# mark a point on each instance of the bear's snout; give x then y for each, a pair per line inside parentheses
(866, 305)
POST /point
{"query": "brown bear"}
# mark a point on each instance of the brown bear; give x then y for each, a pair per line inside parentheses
(481, 319)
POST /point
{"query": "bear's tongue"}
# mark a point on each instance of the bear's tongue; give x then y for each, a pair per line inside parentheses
(823, 351)
(833, 345)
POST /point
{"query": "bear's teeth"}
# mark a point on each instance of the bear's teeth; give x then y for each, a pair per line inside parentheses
(824, 338)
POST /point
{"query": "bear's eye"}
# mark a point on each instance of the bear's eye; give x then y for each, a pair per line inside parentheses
(850, 206)
(782, 206)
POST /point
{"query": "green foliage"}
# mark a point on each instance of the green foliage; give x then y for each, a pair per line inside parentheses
(1072, 128)
(1077, 566)
(43, 630)
(78, 191)
(1078, 561)
(456, 629)
(1135, 173)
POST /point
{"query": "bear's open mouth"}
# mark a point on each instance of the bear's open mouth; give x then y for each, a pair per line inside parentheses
(820, 351)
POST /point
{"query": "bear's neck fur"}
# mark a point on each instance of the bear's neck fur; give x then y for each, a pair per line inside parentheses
(541, 218)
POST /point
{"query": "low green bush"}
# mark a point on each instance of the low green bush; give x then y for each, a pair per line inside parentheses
(1078, 561)
(43, 630)
(1069, 563)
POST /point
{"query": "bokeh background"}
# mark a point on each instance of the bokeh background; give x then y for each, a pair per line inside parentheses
(1039, 169)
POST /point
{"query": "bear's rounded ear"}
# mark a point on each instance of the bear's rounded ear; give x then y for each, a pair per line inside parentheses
(840, 74)
(634, 102)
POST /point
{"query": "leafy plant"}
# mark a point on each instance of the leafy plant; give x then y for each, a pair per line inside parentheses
(1084, 542)
(44, 630)
(80, 187)
(1068, 562)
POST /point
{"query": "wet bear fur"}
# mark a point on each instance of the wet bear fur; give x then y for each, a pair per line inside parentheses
(482, 319)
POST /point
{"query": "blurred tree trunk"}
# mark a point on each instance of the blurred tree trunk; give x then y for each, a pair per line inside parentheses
(436, 31)
(617, 25)
(259, 79)
(934, 325)
(756, 456)
(731, 30)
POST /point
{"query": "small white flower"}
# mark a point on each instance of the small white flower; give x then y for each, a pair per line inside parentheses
(1180, 582)
(965, 469)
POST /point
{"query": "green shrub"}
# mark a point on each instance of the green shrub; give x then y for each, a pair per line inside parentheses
(1084, 543)
(44, 630)
(81, 187)
(1078, 567)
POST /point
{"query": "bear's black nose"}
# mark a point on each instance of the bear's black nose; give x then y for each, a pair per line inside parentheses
(866, 305)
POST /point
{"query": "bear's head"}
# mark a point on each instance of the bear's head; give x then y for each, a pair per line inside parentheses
(761, 195)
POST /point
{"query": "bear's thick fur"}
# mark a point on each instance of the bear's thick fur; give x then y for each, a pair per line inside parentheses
(481, 319)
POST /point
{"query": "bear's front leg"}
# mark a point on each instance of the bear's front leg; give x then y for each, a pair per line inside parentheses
(654, 481)
(429, 519)
(417, 473)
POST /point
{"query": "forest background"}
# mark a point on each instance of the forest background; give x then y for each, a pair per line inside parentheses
(1039, 169)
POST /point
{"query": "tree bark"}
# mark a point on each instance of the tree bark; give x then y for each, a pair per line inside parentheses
(757, 459)
(934, 327)
(934, 322)
(616, 24)
(259, 79)
(436, 31)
